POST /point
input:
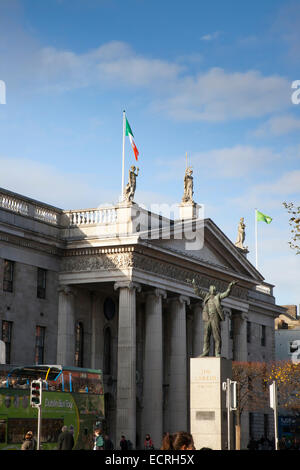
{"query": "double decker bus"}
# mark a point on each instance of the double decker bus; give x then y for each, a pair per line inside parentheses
(71, 396)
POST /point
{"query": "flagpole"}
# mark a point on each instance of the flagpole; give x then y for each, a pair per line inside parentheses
(256, 256)
(123, 156)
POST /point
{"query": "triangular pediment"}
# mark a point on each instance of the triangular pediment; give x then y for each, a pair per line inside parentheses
(208, 245)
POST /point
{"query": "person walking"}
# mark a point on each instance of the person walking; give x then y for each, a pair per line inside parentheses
(29, 442)
(65, 439)
(98, 440)
(123, 443)
(148, 443)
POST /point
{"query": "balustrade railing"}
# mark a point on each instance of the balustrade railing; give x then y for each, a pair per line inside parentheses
(29, 208)
(103, 215)
(44, 213)
(14, 204)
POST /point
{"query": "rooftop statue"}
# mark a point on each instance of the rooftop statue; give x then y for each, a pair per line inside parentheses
(130, 188)
(188, 186)
(241, 235)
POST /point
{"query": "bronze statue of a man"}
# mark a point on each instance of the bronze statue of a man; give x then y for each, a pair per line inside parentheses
(212, 315)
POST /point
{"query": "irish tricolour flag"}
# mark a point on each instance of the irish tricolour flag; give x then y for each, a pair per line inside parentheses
(129, 132)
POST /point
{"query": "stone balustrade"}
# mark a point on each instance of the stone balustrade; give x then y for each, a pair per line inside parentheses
(29, 207)
(103, 215)
(14, 204)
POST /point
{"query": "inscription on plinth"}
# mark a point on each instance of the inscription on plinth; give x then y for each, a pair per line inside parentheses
(208, 401)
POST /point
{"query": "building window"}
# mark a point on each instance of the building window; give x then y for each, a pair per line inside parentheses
(41, 283)
(263, 335)
(8, 275)
(6, 337)
(107, 352)
(39, 344)
(248, 332)
(79, 345)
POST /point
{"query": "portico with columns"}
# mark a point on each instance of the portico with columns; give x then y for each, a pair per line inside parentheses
(152, 339)
(118, 300)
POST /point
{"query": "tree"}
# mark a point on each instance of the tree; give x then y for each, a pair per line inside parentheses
(295, 224)
(252, 394)
(253, 380)
(287, 377)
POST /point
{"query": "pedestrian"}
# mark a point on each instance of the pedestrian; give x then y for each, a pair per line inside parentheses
(178, 441)
(65, 439)
(108, 444)
(148, 443)
(98, 440)
(123, 443)
(29, 442)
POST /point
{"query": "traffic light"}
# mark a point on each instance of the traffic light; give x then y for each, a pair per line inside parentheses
(36, 393)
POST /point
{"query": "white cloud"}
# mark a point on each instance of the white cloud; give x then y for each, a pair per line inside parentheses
(210, 36)
(278, 125)
(271, 194)
(209, 95)
(48, 184)
(217, 95)
(228, 162)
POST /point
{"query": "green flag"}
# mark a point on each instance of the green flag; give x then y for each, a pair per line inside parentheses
(128, 130)
(263, 217)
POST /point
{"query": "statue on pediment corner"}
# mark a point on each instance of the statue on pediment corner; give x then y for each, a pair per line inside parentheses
(188, 186)
(241, 235)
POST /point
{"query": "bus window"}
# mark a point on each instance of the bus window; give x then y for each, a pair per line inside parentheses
(2, 430)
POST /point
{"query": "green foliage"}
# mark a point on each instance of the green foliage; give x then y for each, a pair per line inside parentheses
(295, 224)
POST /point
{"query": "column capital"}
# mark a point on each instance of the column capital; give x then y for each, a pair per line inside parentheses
(66, 289)
(182, 299)
(241, 316)
(128, 285)
(157, 293)
(227, 312)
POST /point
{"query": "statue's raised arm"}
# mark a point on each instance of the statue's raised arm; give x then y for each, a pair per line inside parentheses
(228, 291)
(199, 292)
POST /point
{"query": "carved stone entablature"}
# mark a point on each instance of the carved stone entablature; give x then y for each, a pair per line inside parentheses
(102, 262)
(47, 248)
(165, 269)
(114, 259)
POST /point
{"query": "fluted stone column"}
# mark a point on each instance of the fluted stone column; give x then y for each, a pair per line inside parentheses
(198, 330)
(97, 339)
(240, 337)
(153, 368)
(226, 341)
(178, 366)
(126, 383)
(66, 326)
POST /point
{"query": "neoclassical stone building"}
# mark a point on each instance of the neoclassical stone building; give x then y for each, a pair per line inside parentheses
(107, 288)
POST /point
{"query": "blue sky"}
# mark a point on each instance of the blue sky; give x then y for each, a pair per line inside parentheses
(212, 79)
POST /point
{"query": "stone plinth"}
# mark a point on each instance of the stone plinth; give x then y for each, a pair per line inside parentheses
(208, 401)
(188, 210)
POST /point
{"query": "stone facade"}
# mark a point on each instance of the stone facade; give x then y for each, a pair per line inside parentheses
(117, 298)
